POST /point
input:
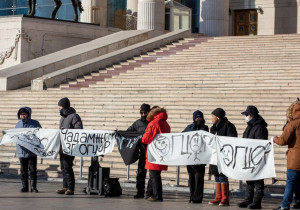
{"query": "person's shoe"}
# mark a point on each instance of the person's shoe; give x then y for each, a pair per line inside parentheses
(281, 208)
(69, 192)
(218, 196)
(254, 206)
(33, 186)
(196, 201)
(24, 189)
(147, 197)
(61, 191)
(153, 199)
(297, 205)
(224, 203)
(24, 186)
(243, 204)
(138, 196)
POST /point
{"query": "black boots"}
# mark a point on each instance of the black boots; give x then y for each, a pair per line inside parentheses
(24, 185)
(33, 186)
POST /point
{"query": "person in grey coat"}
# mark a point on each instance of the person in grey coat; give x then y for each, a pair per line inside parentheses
(28, 160)
(69, 120)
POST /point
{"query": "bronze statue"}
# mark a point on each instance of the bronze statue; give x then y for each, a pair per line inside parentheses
(76, 4)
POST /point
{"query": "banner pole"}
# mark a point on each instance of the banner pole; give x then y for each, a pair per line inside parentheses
(178, 177)
(80, 170)
(128, 176)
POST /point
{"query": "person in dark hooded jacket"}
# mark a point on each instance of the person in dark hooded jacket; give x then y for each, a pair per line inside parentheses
(69, 120)
(196, 172)
(221, 127)
(27, 159)
(256, 129)
(140, 126)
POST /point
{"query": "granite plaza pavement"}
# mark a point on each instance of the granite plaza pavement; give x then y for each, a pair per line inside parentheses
(12, 198)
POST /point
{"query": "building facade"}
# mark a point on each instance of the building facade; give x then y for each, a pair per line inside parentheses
(210, 17)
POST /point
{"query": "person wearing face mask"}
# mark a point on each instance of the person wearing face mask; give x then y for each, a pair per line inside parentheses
(69, 120)
(28, 160)
(221, 127)
(256, 129)
(140, 126)
(196, 172)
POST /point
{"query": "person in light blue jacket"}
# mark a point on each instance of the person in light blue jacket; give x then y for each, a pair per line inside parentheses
(28, 160)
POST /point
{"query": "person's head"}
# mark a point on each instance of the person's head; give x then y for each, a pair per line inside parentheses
(217, 115)
(291, 110)
(144, 110)
(24, 113)
(198, 117)
(64, 103)
(250, 113)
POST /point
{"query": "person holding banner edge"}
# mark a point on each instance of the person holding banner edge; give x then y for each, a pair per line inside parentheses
(140, 126)
(28, 160)
(291, 138)
(256, 129)
(196, 172)
(221, 127)
(69, 120)
(157, 118)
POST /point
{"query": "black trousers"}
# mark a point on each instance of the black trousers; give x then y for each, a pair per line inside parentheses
(257, 195)
(141, 171)
(154, 188)
(196, 181)
(31, 164)
(66, 165)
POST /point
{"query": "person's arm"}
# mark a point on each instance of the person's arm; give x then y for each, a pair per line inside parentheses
(261, 133)
(132, 127)
(149, 134)
(76, 122)
(286, 137)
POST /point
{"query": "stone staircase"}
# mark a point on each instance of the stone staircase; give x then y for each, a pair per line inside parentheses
(194, 73)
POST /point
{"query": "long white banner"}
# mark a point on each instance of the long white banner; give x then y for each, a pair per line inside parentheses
(237, 158)
(46, 142)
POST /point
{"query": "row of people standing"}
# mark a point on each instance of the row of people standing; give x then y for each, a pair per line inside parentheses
(256, 129)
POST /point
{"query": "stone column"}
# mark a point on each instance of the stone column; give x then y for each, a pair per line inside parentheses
(214, 17)
(151, 15)
(86, 15)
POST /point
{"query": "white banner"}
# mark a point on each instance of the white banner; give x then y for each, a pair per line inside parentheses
(245, 159)
(242, 159)
(87, 143)
(42, 142)
(190, 148)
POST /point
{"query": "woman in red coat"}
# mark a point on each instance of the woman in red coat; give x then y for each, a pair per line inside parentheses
(157, 118)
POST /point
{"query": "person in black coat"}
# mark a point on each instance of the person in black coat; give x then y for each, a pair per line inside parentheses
(140, 126)
(69, 120)
(196, 172)
(256, 129)
(221, 127)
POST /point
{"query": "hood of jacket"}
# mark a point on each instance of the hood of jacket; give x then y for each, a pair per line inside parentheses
(68, 111)
(157, 114)
(296, 111)
(27, 108)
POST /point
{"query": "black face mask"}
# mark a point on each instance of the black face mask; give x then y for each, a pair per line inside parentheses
(61, 112)
(199, 122)
(24, 120)
(143, 118)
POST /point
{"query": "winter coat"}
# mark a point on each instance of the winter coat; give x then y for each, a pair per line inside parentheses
(70, 120)
(222, 128)
(138, 126)
(195, 127)
(29, 123)
(291, 137)
(157, 124)
(256, 129)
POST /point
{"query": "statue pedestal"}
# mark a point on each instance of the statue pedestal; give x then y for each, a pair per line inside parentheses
(23, 38)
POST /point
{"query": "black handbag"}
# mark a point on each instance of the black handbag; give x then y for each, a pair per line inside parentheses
(112, 187)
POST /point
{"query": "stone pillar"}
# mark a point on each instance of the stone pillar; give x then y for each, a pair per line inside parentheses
(214, 17)
(86, 15)
(151, 15)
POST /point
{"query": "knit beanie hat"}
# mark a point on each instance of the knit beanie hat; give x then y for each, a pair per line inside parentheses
(145, 107)
(219, 112)
(197, 114)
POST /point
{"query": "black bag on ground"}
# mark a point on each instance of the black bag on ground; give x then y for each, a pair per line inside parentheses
(111, 187)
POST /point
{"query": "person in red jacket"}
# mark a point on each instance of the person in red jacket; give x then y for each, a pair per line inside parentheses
(157, 118)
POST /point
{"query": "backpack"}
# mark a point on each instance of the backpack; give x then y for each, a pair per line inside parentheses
(111, 187)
